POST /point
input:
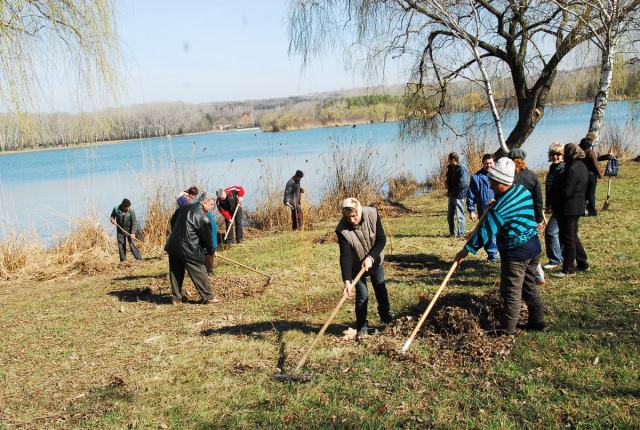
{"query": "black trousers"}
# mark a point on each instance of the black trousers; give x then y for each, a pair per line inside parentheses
(590, 197)
(122, 247)
(197, 273)
(362, 295)
(572, 249)
(296, 217)
(237, 226)
(517, 283)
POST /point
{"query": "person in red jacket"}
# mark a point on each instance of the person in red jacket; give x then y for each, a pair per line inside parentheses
(228, 200)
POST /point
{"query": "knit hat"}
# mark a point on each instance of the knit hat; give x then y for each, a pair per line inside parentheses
(503, 172)
(572, 152)
(517, 153)
(299, 173)
(219, 193)
(125, 203)
(354, 204)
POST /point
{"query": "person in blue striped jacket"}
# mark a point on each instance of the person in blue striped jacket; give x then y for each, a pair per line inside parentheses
(511, 220)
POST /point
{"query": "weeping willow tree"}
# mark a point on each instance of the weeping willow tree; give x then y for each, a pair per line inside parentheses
(45, 41)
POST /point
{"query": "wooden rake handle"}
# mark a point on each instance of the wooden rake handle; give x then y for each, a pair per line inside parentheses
(118, 225)
(415, 331)
(233, 219)
(241, 265)
(326, 324)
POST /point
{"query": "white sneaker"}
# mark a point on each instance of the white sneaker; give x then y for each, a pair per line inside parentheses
(550, 266)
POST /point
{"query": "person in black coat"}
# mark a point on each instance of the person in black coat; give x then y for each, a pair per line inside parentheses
(568, 205)
(186, 245)
(531, 182)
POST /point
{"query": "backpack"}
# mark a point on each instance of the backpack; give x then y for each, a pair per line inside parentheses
(612, 167)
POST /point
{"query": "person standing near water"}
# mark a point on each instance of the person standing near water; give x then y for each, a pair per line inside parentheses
(456, 184)
(292, 198)
(126, 227)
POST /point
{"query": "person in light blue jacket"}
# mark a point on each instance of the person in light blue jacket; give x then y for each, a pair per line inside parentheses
(479, 194)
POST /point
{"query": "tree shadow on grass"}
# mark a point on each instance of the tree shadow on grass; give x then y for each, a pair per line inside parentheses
(139, 277)
(427, 268)
(140, 295)
(258, 330)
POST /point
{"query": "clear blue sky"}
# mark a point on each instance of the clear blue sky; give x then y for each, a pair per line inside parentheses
(200, 51)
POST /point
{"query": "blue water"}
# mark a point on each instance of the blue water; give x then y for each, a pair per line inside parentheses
(47, 190)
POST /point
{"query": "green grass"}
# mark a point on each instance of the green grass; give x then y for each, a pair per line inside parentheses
(63, 342)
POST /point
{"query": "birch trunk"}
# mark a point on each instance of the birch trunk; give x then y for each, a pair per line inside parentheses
(492, 101)
(604, 86)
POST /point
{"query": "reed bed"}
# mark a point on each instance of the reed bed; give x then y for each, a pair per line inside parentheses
(87, 249)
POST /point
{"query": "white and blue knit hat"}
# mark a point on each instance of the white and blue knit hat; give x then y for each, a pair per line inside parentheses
(503, 172)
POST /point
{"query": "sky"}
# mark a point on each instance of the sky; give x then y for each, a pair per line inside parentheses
(201, 51)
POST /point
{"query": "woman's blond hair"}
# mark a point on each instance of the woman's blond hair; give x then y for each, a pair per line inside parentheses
(556, 147)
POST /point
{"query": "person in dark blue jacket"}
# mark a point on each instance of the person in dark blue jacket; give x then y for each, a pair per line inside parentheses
(456, 185)
(479, 195)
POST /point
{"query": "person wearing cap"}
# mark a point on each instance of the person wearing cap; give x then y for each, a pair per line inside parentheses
(591, 162)
(479, 194)
(551, 232)
(531, 182)
(568, 206)
(292, 199)
(190, 248)
(511, 219)
(361, 240)
(188, 196)
(228, 200)
(124, 217)
(456, 185)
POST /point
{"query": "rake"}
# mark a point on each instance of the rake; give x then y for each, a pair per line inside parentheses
(295, 375)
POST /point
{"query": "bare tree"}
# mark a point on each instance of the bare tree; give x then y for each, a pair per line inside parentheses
(525, 41)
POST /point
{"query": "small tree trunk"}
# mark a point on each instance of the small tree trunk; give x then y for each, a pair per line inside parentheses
(604, 86)
(492, 101)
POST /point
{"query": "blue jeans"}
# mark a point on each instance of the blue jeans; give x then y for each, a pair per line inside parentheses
(552, 241)
(456, 211)
(362, 295)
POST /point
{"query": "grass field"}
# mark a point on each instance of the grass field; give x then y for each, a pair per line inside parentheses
(108, 351)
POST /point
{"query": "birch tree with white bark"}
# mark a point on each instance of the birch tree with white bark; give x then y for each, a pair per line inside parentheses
(524, 41)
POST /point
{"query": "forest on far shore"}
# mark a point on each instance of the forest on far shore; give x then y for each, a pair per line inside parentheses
(355, 106)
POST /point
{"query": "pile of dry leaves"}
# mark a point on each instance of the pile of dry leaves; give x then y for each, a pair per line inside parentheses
(459, 327)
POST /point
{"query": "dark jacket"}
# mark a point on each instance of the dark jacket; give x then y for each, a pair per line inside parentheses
(479, 193)
(590, 161)
(550, 184)
(127, 220)
(292, 192)
(190, 234)
(570, 189)
(457, 180)
(528, 179)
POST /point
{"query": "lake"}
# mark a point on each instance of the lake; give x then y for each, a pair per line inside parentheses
(46, 190)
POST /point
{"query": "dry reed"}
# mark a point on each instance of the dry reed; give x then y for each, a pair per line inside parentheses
(352, 171)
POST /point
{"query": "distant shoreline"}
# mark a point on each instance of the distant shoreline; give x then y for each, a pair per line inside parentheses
(114, 142)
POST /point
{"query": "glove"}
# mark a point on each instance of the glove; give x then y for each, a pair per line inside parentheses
(208, 261)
